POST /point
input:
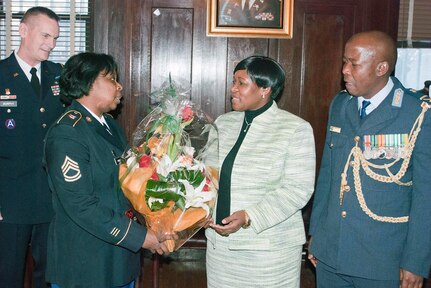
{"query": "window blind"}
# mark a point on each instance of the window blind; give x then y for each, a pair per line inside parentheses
(417, 14)
(75, 30)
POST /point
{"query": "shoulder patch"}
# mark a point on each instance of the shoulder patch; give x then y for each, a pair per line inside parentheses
(71, 118)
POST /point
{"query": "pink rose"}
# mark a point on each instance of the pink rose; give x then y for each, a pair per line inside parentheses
(187, 113)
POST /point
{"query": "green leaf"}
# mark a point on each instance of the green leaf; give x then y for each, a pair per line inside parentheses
(163, 190)
(168, 191)
(194, 177)
(181, 203)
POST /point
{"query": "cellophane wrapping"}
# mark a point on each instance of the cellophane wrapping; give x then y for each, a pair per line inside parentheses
(170, 174)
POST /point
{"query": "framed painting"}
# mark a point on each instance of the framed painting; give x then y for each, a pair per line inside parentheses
(250, 18)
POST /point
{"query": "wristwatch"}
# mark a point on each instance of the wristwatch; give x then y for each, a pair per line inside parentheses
(247, 221)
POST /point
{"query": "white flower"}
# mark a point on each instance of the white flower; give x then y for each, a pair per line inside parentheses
(185, 160)
(188, 150)
(132, 162)
(195, 197)
(165, 165)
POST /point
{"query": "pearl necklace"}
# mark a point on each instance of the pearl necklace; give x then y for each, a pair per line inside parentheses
(248, 124)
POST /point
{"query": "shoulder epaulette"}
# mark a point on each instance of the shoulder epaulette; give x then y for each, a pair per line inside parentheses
(71, 118)
(425, 98)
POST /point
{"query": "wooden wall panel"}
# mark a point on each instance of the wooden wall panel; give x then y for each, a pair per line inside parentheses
(321, 64)
(171, 45)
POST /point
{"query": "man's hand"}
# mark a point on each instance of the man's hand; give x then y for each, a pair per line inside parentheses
(410, 280)
(311, 257)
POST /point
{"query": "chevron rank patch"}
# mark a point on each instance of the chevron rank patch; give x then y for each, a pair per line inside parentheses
(70, 169)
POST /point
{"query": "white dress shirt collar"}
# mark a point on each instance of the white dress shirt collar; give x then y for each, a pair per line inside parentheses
(26, 68)
(378, 98)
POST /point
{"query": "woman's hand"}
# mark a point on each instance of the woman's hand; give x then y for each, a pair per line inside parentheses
(231, 224)
(152, 243)
(208, 222)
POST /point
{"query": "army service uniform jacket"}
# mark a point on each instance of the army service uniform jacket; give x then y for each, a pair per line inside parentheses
(91, 242)
(24, 119)
(378, 226)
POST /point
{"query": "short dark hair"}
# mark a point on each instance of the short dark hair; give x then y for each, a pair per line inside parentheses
(34, 11)
(265, 72)
(80, 72)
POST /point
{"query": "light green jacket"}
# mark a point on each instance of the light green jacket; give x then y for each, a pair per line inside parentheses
(272, 178)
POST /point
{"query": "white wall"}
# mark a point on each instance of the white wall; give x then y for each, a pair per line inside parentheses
(413, 67)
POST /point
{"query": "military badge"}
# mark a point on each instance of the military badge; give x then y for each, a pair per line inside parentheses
(55, 89)
(398, 97)
(71, 170)
(385, 146)
(7, 95)
(8, 104)
(10, 123)
(335, 129)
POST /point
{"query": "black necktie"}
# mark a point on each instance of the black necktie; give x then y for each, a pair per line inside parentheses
(363, 112)
(35, 81)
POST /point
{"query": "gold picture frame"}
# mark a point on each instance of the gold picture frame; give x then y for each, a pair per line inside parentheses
(264, 19)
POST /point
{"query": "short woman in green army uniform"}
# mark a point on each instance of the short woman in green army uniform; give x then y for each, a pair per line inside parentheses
(92, 242)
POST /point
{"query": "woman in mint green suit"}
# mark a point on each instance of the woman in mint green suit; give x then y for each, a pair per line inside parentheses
(267, 161)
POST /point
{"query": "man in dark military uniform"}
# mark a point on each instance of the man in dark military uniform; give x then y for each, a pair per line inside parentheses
(370, 223)
(93, 241)
(29, 104)
(257, 13)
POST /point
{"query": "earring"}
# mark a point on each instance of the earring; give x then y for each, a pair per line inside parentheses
(263, 96)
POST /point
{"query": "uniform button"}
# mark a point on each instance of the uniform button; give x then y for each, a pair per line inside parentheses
(344, 214)
(352, 163)
(346, 188)
(43, 125)
(331, 145)
(8, 110)
(42, 109)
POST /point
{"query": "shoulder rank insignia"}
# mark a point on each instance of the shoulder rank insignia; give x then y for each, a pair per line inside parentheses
(70, 117)
(397, 100)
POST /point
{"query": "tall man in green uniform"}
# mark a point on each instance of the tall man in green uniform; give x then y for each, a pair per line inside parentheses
(370, 223)
(29, 104)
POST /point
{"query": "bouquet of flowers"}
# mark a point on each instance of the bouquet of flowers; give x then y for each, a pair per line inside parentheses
(168, 175)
